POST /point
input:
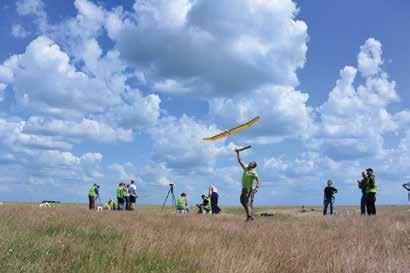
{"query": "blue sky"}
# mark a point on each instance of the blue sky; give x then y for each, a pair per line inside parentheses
(108, 91)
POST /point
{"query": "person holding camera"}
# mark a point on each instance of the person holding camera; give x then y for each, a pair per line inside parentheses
(92, 196)
(362, 185)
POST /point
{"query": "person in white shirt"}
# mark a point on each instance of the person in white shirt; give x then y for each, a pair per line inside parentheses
(132, 189)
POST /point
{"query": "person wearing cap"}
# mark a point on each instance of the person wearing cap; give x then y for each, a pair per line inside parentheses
(205, 207)
(371, 191)
(362, 185)
(407, 187)
(248, 190)
(182, 204)
(329, 197)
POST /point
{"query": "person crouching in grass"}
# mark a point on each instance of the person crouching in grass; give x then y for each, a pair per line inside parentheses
(205, 207)
(248, 177)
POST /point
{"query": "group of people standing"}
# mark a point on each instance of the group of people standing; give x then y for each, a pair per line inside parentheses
(126, 196)
(368, 185)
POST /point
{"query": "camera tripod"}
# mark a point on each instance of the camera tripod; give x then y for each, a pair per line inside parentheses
(173, 200)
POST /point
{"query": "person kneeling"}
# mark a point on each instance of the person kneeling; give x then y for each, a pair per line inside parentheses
(205, 207)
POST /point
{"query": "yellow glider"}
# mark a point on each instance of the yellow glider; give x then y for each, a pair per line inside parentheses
(233, 130)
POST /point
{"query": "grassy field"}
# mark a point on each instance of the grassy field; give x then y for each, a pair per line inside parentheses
(69, 238)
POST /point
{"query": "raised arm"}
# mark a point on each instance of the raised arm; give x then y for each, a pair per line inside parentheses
(239, 159)
(406, 186)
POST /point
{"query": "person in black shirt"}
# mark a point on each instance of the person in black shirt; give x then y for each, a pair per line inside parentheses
(362, 185)
(213, 194)
(329, 197)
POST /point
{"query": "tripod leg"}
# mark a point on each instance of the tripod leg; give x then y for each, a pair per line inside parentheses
(174, 201)
(165, 201)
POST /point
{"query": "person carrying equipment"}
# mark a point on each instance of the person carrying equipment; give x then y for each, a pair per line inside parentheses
(132, 189)
(92, 196)
(205, 207)
(371, 191)
(182, 205)
(329, 197)
(362, 185)
(248, 191)
(120, 196)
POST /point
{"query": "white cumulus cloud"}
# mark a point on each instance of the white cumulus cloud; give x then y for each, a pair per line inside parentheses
(211, 47)
(355, 117)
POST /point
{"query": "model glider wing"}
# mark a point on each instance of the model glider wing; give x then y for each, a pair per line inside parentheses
(244, 126)
(218, 136)
(233, 130)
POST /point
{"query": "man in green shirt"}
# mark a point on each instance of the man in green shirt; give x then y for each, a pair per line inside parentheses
(248, 177)
(371, 190)
(92, 195)
(120, 196)
(182, 205)
(205, 207)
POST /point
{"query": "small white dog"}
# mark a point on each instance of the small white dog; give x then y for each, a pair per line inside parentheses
(45, 205)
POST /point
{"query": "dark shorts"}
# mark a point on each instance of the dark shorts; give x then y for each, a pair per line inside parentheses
(132, 199)
(246, 197)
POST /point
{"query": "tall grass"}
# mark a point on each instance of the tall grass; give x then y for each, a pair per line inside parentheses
(73, 239)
